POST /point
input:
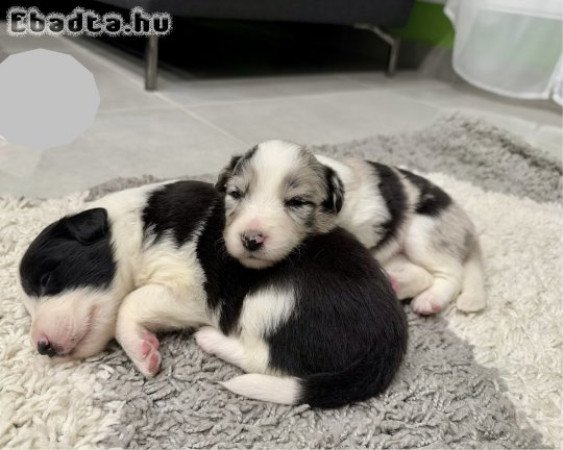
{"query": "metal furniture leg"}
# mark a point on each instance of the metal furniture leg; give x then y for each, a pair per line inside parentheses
(151, 62)
(393, 42)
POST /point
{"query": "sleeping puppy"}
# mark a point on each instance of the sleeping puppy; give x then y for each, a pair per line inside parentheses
(310, 315)
(76, 272)
(422, 237)
(134, 250)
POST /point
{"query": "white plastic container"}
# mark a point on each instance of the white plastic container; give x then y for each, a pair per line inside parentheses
(510, 47)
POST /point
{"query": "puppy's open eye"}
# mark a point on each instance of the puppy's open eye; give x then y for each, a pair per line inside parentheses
(297, 202)
(235, 193)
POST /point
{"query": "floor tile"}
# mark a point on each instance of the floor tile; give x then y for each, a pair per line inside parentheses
(132, 66)
(119, 93)
(18, 160)
(319, 119)
(164, 142)
(461, 96)
(197, 91)
(402, 79)
(57, 174)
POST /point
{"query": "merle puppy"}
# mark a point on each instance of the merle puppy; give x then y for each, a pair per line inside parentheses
(310, 315)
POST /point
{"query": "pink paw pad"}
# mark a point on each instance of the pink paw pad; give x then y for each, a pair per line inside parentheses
(150, 342)
(394, 283)
(434, 308)
(149, 352)
(153, 363)
(426, 304)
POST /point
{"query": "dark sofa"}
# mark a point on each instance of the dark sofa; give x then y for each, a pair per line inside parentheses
(372, 15)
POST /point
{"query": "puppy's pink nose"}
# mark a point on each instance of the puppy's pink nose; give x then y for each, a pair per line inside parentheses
(252, 240)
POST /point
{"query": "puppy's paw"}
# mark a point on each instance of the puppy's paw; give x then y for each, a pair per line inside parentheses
(209, 339)
(142, 347)
(427, 304)
(151, 356)
(408, 280)
(471, 302)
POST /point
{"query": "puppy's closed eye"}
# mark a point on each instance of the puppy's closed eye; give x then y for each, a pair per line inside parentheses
(298, 202)
(45, 279)
(235, 193)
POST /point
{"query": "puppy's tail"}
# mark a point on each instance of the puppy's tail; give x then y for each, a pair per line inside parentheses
(473, 296)
(268, 388)
(366, 378)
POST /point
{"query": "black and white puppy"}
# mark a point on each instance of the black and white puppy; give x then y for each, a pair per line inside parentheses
(422, 237)
(317, 323)
(76, 272)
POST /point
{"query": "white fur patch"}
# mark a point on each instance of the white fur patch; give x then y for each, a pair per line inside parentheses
(265, 310)
(363, 204)
(268, 388)
(262, 313)
(124, 210)
(80, 321)
(178, 269)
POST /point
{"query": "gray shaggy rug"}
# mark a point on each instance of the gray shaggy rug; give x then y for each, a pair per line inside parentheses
(461, 386)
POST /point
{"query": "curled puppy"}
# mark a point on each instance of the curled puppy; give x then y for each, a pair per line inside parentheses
(128, 251)
(77, 271)
(422, 237)
(425, 240)
(317, 324)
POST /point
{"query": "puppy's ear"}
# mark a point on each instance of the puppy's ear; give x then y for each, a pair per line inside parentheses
(226, 173)
(335, 191)
(88, 226)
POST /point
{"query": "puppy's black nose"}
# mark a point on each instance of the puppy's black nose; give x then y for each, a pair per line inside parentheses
(252, 240)
(44, 347)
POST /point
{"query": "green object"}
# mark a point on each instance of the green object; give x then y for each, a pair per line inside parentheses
(427, 24)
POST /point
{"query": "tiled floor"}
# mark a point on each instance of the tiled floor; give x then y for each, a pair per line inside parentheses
(192, 124)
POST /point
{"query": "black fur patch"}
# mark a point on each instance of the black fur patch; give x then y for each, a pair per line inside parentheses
(432, 200)
(247, 156)
(178, 208)
(335, 191)
(227, 281)
(347, 335)
(226, 173)
(235, 165)
(73, 252)
(391, 189)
